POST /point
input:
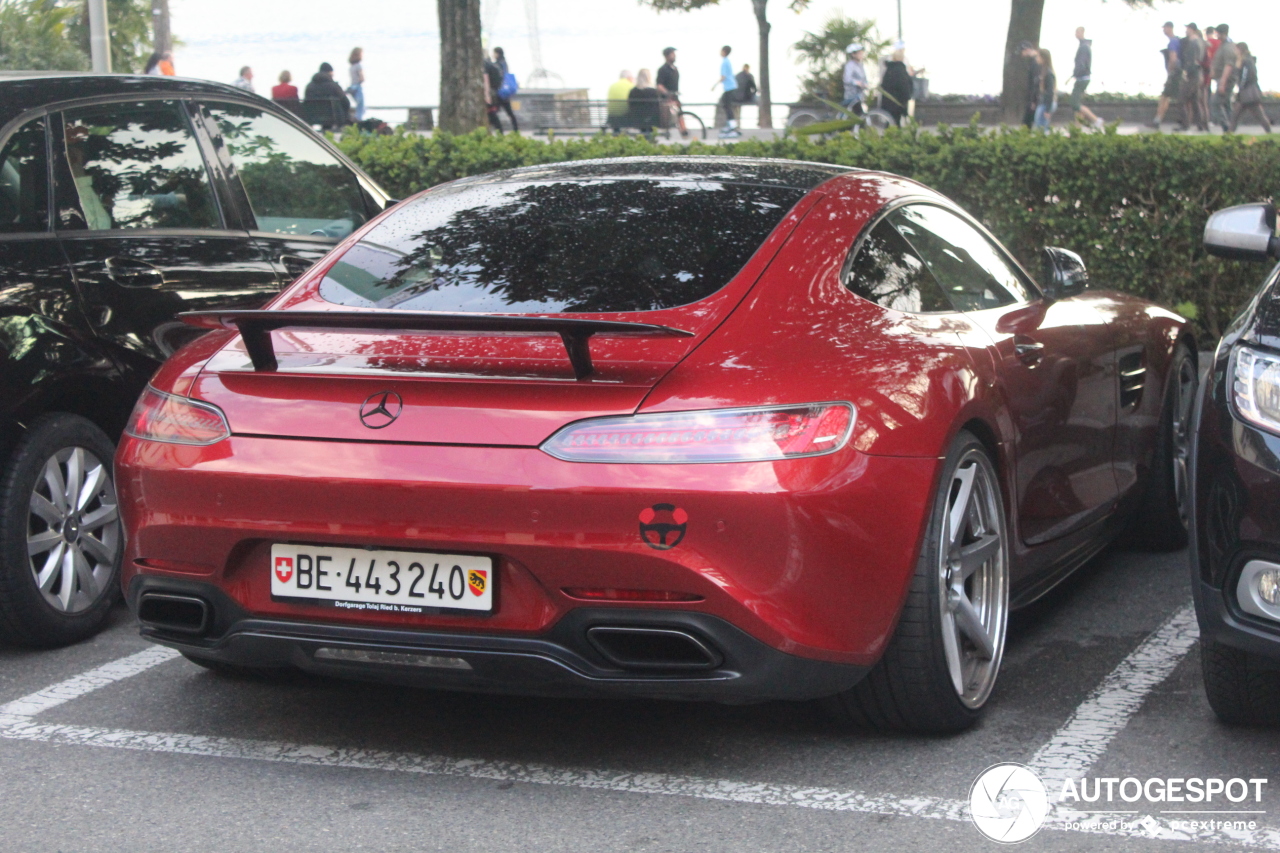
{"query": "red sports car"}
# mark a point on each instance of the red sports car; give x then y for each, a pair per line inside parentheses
(697, 428)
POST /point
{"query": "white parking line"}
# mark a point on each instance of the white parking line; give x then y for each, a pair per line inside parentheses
(1087, 734)
(1072, 751)
(87, 682)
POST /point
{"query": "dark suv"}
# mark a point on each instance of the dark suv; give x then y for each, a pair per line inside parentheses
(124, 201)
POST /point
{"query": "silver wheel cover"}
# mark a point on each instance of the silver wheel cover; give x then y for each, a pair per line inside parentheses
(973, 574)
(73, 529)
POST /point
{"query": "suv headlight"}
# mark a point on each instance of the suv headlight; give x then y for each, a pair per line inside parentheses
(1256, 387)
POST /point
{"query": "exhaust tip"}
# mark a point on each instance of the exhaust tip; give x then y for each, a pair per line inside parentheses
(178, 614)
(653, 648)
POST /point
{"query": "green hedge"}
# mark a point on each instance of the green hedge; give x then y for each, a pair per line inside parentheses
(1133, 206)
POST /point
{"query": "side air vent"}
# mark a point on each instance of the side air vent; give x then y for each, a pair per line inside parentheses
(1133, 378)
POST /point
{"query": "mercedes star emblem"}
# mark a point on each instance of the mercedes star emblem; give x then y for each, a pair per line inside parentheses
(381, 409)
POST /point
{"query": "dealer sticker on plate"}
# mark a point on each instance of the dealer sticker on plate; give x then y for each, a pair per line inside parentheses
(391, 581)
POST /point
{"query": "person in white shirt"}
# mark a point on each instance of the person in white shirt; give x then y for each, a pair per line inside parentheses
(246, 79)
(356, 89)
(855, 79)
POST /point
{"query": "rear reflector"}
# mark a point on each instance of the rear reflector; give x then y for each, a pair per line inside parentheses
(629, 594)
(177, 420)
(393, 658)
(716, 435)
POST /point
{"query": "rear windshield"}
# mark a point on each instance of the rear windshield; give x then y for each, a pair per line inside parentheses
(559, 247)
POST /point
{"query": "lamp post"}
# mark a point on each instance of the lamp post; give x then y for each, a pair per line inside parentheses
(899, 20)
(99, 38)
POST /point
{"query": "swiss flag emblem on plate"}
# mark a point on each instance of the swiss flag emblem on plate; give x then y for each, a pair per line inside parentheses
(477, 580)
(284, 568)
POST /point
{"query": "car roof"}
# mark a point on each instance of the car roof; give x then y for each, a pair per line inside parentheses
(26, 90)
(794, 174)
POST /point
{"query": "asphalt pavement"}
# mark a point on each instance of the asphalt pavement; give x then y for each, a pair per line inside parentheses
(117, 745)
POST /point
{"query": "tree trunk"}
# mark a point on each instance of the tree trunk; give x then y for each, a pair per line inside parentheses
(462, 107)
(766, 101)
(161, 39)
(1024, 25)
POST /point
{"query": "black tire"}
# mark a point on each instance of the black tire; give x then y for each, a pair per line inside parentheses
(28, 616)
(1161, 523)
(1241, 691)
(911, 688)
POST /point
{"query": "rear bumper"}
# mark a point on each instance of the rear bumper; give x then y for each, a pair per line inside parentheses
(562, 662)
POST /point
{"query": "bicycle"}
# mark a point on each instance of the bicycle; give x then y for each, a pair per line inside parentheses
(673, 119)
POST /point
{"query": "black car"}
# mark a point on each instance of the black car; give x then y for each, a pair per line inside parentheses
(1236, 482)
(124, 201)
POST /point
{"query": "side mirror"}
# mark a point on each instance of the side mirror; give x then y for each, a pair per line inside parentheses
(1064, 274)
(1243, 233)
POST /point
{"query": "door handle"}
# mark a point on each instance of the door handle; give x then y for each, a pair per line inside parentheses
(127, 272)
(1027, 351)
(295, 265)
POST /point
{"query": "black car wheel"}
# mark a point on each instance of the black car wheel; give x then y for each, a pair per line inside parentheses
(1243, 689)
(1162, 523)
(941, 665)
(60, 533)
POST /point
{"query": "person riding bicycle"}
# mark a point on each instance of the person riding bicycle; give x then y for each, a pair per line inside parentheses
(855, 79)
(669, 91)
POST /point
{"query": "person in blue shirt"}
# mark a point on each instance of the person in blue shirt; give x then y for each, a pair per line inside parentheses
(729, 100)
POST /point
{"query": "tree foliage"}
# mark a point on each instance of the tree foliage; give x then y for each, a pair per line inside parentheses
(34, 36)
(129, 22)
(1139, 229)
(823, 54)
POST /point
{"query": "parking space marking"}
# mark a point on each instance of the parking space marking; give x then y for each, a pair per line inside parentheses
(87, 682)
(1095, 723)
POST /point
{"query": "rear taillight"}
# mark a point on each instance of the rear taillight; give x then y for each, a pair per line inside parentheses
(717, 435)
(163, 417)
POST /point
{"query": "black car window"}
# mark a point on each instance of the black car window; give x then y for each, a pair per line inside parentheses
(24, 180)
(137, 165)
(295, 186)
(559, 246)
(972, 272)
(888, 272)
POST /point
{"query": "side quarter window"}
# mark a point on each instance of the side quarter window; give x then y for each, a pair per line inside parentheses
(24, 181)
(135, 166)
(888, 272)
(295, 186)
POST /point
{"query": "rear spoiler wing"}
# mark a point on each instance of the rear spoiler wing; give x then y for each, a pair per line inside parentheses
(255, 328)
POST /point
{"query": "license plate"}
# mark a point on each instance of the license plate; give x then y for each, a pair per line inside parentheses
(389, 581)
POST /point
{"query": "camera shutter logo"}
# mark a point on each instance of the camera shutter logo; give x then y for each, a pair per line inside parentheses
(380, 410)
(1008, 803)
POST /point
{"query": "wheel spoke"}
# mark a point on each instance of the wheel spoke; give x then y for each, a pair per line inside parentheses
(57, 486)
(951, 650)
(99, 517)
(93, 483)
(960, 507)
(68, 576)
(41, 542)
(43, 507)
(75, 477)
(970, 624)
(98, 549)
(975, 555)
(49, 571)
(84, 573)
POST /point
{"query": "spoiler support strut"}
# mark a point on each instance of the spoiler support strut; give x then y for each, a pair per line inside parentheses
(255, 328)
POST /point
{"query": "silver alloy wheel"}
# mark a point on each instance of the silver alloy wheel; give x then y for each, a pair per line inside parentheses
(73, 529)
(1184, 394)
(974, 579)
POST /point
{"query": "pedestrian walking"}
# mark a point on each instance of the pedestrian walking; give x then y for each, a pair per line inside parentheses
(1047, 102)
(644, 103)
(728, 100)
(1211, 44)
(1031, 54)
(1223, 71)
(284, 90)
(1191, 53)
(1082, 73)
(1173, 74)
(152, 68)
(355, 63)
(501, 88)
(746, 85)
(245, 80)
(1250, 97)
(896, 83)
(617, 107)
(855, 79)
(668, 86)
